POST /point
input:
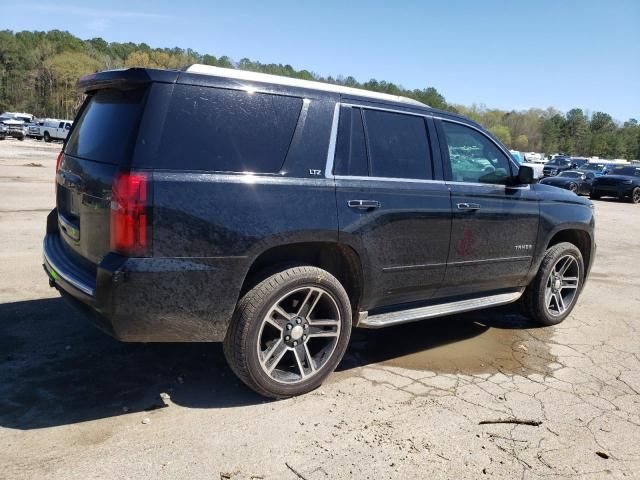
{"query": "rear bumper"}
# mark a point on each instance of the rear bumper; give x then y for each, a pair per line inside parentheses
(149, 299)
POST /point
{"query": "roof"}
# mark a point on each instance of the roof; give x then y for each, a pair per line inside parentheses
(295, 82)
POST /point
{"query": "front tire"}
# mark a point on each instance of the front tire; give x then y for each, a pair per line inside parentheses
(573, 188)
(289, 332)
(47, 137)
(594, 196)
(554, 291)
(635, 196)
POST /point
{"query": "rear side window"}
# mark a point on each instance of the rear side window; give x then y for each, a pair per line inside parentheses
(107, 127)
(398, 145)
(214, 129)
(351, 151)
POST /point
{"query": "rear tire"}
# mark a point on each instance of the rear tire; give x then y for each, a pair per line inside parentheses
(573, 188)
(289, 332)
(635, 196)
(594, 196)
(554, 291)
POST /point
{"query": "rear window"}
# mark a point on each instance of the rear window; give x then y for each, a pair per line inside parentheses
(215, 129)
(107, 127)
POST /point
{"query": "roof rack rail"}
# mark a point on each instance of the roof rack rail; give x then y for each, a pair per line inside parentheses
(296, 82)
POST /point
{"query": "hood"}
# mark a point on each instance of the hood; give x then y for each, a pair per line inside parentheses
(558, 180)
(555, 194)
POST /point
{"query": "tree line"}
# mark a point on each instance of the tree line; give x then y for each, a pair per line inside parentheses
(38, 72)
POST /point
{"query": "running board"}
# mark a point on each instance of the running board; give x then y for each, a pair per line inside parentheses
(422, 313)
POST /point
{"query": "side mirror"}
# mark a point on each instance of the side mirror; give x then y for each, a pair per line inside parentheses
(525, 175)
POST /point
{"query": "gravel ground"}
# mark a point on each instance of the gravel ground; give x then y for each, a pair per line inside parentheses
(406, 402)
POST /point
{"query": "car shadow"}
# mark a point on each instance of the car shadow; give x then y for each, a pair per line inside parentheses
(57, 369)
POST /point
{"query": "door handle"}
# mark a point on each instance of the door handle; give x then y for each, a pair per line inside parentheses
(363, 204)
(468, 207)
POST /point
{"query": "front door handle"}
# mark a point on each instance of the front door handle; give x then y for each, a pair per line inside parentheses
(468, 207)
(363, 204)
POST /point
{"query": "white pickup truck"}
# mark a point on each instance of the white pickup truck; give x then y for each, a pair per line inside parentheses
(53, 129)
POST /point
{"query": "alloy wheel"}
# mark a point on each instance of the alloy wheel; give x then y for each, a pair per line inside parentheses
(299, 334)
(562, 285)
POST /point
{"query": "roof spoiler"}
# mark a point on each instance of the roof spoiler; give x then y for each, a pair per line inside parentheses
(125, 78)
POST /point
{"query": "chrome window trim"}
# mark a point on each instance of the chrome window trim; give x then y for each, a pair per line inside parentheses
(383, 109)
(386, 179)
(495, 185)
(331, 153)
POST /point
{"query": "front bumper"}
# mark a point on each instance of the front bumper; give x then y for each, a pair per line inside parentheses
(148, 299)
(620, 191)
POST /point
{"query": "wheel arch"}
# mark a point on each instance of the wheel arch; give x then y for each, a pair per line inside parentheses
(578, 237)
(339, 259)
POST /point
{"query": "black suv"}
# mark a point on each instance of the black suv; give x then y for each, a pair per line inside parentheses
(557, 165)
(276, 214)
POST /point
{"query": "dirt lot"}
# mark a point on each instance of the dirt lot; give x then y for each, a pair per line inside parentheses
(406, 402)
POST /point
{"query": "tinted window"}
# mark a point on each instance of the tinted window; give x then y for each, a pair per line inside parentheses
(398, 145)
(474, 157)
(351, 152)
(630, 171)
(106, 129)
(571, 174)
(228, 130)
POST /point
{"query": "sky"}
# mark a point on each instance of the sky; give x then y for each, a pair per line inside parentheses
(504, 54)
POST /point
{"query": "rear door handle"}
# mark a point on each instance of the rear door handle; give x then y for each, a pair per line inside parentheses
(363, 204)
(468, 207)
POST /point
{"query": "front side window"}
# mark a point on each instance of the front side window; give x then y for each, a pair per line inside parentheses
(474, 157)
(398, 145)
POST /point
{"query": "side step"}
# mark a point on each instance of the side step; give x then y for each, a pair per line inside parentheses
(432, 311)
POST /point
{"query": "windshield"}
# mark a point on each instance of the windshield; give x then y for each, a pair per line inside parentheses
(593, 166)
(570, 174)
(559, 161)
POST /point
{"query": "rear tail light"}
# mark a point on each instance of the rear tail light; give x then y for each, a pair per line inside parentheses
(130, 219)
(55, 177)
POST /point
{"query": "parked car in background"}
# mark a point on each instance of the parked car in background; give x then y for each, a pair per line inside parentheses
(557, 165)
(623, 182)
(520, 158)
(33, 129)
(609, 168)
(533, 157)
(15, 129)
(578, 162)
(596, 168)
(54, 129)
(3, 131)
(579, 182)
(23, 117)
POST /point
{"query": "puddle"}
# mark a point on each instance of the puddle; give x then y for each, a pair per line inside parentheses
(490, 341)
